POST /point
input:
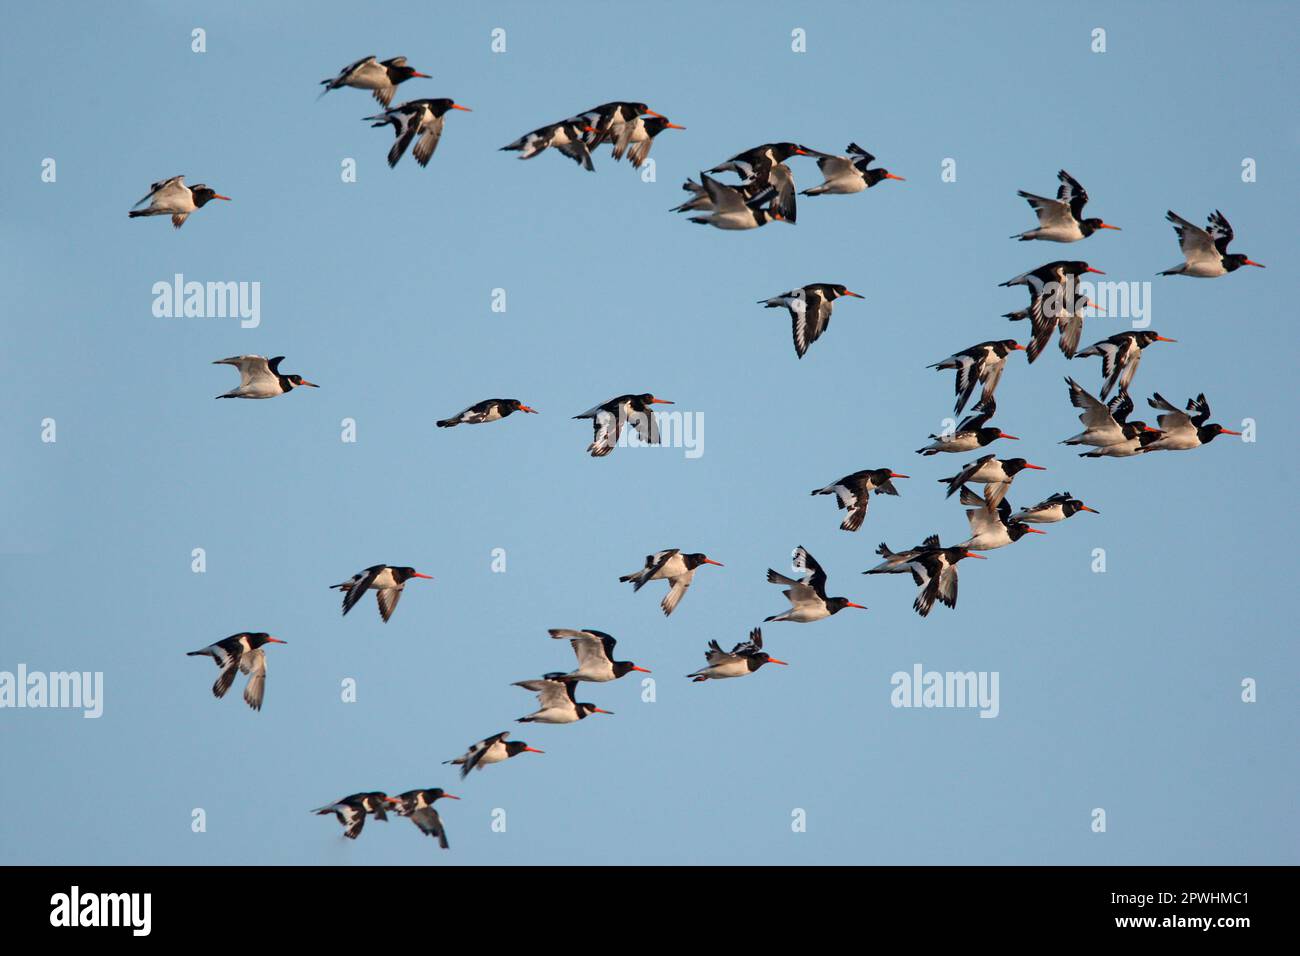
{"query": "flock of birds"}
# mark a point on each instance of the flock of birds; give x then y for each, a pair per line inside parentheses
(764, 191)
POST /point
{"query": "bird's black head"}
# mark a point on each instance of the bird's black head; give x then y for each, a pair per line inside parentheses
(655, 125)
(405, 574)
(1072, 506)
(437, 793)
(400, 73)
(586, 710)
(1147, 336)
(1013, 466)
(1006, 346)
(1018, 529)
(1089, 226)
(836, 604)
(257, 640)
(624, 667)
(440, 106)
(989, 434)
(873, 176)
(1077, 268)
(515, 747)
(203, 194)
(783, 151)
(834, 290)
(642, 402)
(293, 381)
(956, 554)
(696, 559)
(1207, 433)
(1232, 262)
(511, 405)
(759, 658)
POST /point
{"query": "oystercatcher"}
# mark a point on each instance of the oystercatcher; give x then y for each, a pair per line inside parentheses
(1205, 251)
(978, 365)
(847, 174)
(734, 208)
(566, 136)
(853, 490)
(1101, 428)
(490, 750)
(171, 197)
(1120, 355)
(994, 473)
(672, 566)
(810, 310)
(807, 596)
(971, 432)
(612, 122)
(765, 165)
(387, 582)
(1053, 301)
(1135, 434)
(743, 660)
(558, 706)
(609, 418)
(934, 569)
(638, 136)
(489, 410)
(259, 377)
(423, 117)
(1061, 219)
(1058, 507)
(1183, 430)
(991, 528)
(381, 78)
(417, 805)
(595, 651)
(240, 652)
(351, 811)
(700, 196)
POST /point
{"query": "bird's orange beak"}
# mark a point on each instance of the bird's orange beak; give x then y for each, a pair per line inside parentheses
(419, 575)
(597, 710)
(1005, 435)
(673, 126)
(227, 199)
(643, 670)
(530, 411)
(1086, 508)
(659, 401)
(894, 474)
(275, 640)
(892, 176)
(711, 561)
(972, 554)
(1018, 347)
(457, 106)
(773, 660)
(309, 384)
(534, 750)
(1161, 338)
(1258, 265)
(423, 76)
(862, 607)
(1091, 269)
(1227, 431)
(1035, 467)
(854, 294)
(1106, 225)
(450, 796)
(653, 113)
(1034, 531)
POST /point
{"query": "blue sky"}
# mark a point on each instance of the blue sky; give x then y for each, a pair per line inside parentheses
(1118, 690)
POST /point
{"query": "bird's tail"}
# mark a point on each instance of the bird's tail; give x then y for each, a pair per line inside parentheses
(447, 423)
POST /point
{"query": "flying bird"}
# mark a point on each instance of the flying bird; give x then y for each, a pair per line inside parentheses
(1058, 507)
(557, 704)
(417, 806)
(672, 566)
(971, 432)
(847, 174)
(609, 418)
(1120, 355)
(595, 652)
(260, 377)
(743, 660)
(490, 750)
(1136, 435)
(765, 166)
(810, 310)
(351, 811)
(733, 208)
(991, 528)
(978, 365)
(1205, 251)
(387, 582)
(933, 568)
(240, 652)
(612, 122)
(381, 78)
(1101, 428)
(171, 197)
(416, 117)
(1053, 302)
(852, 491)
(638, 136)
(994, 473)
(700, 200)
(566, 136)
(1061, 219)
(1183, 430)
(807, 595)
(489, 410)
